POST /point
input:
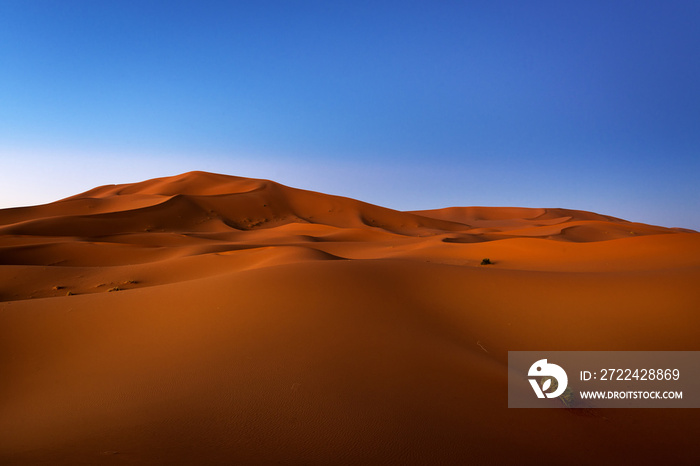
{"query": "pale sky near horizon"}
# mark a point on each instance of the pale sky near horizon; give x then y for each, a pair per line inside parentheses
(411, 105)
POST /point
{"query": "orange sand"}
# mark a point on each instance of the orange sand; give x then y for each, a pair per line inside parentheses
(253, 323)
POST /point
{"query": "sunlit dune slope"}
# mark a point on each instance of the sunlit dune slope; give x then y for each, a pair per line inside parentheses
(210, 319)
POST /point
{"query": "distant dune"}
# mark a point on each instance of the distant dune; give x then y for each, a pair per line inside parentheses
(212, 319)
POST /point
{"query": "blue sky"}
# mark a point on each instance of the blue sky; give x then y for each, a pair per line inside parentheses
(589, 105)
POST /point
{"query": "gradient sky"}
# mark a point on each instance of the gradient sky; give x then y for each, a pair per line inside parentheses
(591, 105)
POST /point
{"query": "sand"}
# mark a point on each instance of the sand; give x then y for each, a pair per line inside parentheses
(210, 319)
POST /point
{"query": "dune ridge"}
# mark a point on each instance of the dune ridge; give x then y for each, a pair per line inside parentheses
(212, 319)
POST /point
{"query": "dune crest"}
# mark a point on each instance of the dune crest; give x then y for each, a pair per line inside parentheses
(162, 222)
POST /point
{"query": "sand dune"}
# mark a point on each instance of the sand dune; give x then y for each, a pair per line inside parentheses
(210, 319)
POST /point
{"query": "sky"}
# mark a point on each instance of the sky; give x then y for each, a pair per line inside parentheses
(410, 105)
